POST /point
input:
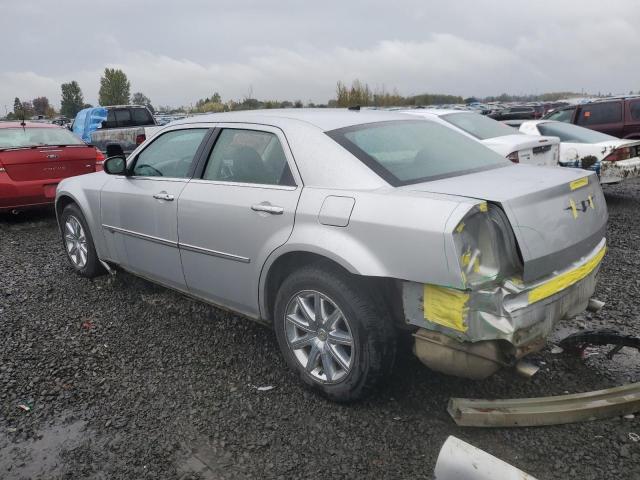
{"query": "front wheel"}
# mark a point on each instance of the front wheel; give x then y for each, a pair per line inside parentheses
(332, 332)
(78, 243)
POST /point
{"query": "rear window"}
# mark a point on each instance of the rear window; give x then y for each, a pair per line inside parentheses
(140, 116)
(561, 115)
(520, 109)
(573, 134)
(32, 137)
(599, 113)
(403, 152)
(479, 126)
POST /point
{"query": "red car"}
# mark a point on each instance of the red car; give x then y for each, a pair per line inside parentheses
(34, 157)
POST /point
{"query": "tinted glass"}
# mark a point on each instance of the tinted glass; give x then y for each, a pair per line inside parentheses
(521, 109)
(123, 118)
(479, 126)
(141, 117)
(568, 132)
(170, 155)
(248, 156)
(405, 152)
(599, 113)
(561, 115)
(29, 137)
(634, 109)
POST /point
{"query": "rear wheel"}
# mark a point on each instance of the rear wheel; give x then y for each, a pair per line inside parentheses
(332, 332)
(78, 243)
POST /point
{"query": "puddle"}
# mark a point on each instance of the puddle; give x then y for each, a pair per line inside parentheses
(40, 458)
(207, 460)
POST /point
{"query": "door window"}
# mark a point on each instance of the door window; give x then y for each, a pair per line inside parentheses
(600, 113)
(141, 117)
(170, 155)
(248, 156)
(634, 108)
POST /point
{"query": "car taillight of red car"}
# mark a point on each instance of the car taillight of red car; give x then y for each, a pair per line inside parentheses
(622, 153)
(99, 160)
(140, 138)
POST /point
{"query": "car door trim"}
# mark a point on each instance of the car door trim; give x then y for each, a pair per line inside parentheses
(143, 236)
(213, 253)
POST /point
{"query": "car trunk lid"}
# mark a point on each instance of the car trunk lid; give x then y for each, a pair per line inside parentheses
(558, 215)
(531, 150)
(48, 162)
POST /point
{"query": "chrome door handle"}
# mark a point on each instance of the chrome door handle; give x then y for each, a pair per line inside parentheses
(164, 196)
(266, 207)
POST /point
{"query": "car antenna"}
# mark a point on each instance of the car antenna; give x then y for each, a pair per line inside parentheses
(355, 108)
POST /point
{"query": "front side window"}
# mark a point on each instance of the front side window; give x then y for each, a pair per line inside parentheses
(567, 132)
(479, 126)
(248, 156)
(403, 152)
(170, 155)
(564, 115)
(600, 113)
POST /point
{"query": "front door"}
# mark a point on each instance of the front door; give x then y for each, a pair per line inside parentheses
(139, 210)
(239, 210)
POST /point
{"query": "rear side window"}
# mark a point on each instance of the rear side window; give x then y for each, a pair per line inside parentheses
(600, 113)
(141, 116)
(405, 152)
(561, 115)
(123, 118)
(170, 155)
(248, 156)
(634, 109)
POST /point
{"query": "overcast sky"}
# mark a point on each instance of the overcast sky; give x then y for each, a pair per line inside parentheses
(178, 51)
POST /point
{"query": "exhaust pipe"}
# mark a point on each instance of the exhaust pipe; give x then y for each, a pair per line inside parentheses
(594, 306)
(460, 461)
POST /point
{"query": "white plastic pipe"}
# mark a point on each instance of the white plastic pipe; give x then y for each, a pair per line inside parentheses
(460, 461)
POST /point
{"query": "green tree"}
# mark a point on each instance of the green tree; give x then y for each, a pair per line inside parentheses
(114, 88)
(72, 99)
(40, 105)
(17, 107)
(140, 98)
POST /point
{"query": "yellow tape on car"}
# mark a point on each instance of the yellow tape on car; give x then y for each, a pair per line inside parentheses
(581, 182)
(446, 307)
(566, 279)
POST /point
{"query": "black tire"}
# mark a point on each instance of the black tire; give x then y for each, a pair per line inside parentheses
(374, 336)
(92, 268)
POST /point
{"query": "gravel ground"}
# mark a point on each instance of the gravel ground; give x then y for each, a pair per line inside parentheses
(125, 379)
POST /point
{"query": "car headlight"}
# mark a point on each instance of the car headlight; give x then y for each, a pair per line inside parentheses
(486, 246)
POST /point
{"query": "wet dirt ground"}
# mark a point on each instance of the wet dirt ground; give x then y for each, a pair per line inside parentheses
(118, 378)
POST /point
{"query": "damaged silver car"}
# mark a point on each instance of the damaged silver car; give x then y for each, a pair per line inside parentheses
(341, 229)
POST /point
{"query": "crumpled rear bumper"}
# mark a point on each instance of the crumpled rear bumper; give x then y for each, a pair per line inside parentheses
(613, 172)
(521, 314)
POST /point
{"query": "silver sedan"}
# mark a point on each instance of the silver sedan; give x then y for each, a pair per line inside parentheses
(344, 230)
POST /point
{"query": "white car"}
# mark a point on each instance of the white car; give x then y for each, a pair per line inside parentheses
(501, 138)
(612, 158)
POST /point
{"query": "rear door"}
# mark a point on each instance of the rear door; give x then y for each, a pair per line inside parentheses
(605, 117)
(238, 210)
(138, 211)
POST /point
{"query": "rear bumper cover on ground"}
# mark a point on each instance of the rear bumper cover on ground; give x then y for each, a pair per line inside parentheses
(521, 314)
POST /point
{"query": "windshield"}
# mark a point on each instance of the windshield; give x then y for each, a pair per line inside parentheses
(572, 133)
(403, 152)
(479, 126)
(33, 136)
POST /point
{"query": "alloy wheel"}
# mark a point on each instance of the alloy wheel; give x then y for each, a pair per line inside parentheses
(75, 241)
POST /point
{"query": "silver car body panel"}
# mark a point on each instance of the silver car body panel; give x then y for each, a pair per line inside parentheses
(210, 242)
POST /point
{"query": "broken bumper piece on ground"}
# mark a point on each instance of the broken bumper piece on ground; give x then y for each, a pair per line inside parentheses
(473, 333)
(528, 412)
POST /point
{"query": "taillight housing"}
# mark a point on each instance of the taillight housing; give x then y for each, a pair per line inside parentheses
(513, 156)
(622, 153)
(99, 160)
(140, 138)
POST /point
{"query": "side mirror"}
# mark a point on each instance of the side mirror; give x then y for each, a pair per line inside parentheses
(115, 165)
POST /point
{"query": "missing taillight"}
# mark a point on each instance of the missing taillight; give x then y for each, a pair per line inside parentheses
(623, 153)
(514, 157)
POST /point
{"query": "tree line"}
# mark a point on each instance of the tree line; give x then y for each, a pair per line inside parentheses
(115, 89)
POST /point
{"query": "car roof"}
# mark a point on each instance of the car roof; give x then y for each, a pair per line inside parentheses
(325, 119)
(27, 125)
